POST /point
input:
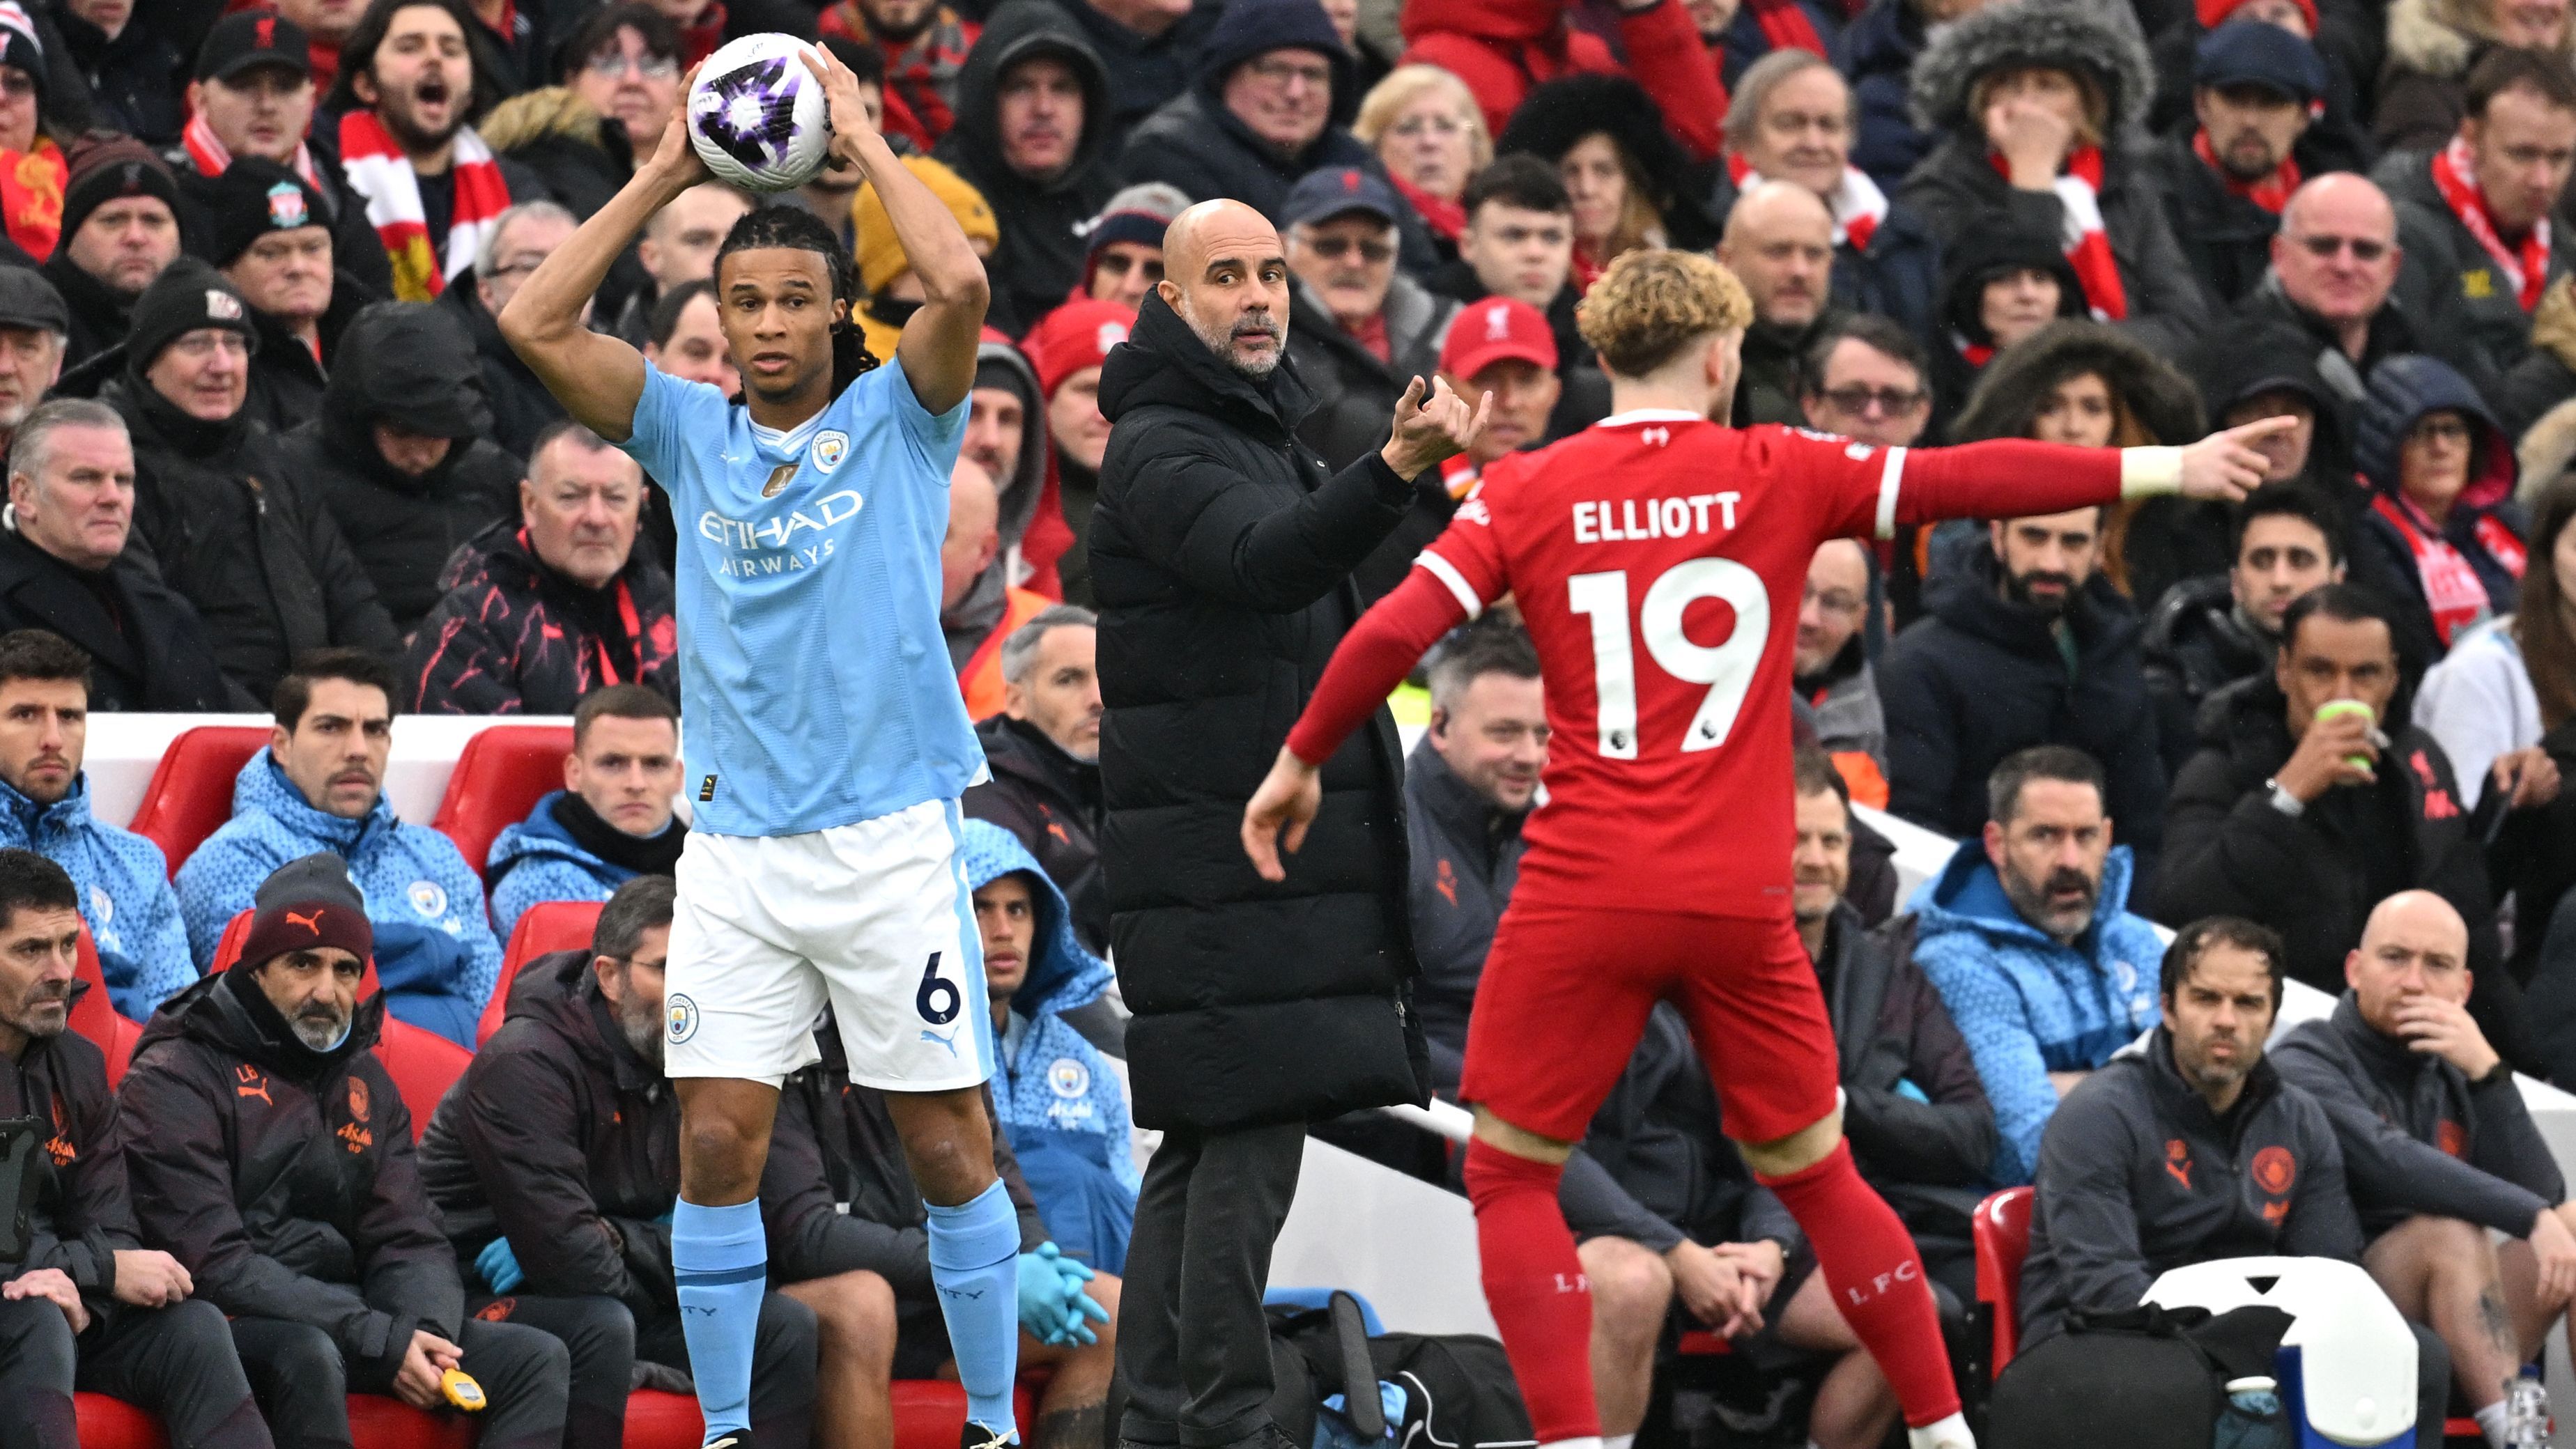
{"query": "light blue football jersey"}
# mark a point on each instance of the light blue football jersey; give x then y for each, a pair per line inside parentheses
(817, 684)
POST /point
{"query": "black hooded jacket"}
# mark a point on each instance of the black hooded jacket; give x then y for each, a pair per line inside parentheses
(286, 380)
(1041, 254)
(100, 315)
(521, 406)
(284, 1178)
(835, 1145)
(2418, 1136)
(2226, 239)
(1221, 554)
(242, 535)
(562, 1139)
(409, 363)
(1980, 677)
(79, 1214)
(2314, 879)
(2196, 645)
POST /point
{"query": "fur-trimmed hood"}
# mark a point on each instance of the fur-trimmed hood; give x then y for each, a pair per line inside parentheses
(2443, 38)
(534, 115)
(2100, 40)
(2548, 449)
(1559, 113)
(2013, 387)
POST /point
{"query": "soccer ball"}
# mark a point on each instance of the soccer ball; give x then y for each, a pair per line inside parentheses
(757, 115)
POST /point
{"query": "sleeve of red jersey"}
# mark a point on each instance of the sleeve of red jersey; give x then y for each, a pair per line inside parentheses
(1871, 491)
(1452, 581)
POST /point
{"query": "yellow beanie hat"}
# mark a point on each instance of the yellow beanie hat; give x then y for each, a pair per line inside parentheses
(880, 256)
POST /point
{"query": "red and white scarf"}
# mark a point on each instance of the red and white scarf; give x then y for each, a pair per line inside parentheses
(379, 171)
(1858, 205)
(2087, 246)
(2526, 270)
(2452, 589)
(208, 154)
(2271, 192)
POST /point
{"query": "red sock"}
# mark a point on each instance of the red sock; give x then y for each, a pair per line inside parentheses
(1534, 1284)
(1870, 1262)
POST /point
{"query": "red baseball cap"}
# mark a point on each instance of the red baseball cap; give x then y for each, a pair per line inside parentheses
(1493, 330)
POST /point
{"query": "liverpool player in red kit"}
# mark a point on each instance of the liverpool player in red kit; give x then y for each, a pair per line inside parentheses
(1657, 559)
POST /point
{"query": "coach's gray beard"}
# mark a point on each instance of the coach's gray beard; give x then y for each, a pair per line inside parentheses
(1220, 340)
(643, 1032)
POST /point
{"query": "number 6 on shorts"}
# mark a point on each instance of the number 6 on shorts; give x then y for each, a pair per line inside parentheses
(938, 1000)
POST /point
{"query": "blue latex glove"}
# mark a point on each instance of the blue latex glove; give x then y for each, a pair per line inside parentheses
(1078, 1305)
(499, 1266)
(1905, 1088)
(1042, 1307)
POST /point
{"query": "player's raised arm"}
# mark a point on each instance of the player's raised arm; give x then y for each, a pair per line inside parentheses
(596, 377)
(938, 347)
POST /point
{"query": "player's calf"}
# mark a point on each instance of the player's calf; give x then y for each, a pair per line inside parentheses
(854, 1317)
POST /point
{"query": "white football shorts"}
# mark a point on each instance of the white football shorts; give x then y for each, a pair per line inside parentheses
(874, 918)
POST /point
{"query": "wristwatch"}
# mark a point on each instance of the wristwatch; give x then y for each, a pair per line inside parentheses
(2283, 801)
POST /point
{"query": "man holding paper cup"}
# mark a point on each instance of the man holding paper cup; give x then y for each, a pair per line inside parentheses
(2312, 798)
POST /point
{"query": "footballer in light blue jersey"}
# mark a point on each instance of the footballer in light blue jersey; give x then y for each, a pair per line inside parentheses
(819, 688)
(823, 731)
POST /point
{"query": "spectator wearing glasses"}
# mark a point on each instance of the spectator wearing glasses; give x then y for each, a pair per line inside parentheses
(1792, 119)
(2441, 537)
(1831, 667)
(520, 240)
(1124, 255)
(240, 534)
(267, 229)
(1865, 379)
(1431, 137)
(1274, 89)
(1519, 243)
(1358, 329)
(2334, 264)
(582, 139)
(2474, 214)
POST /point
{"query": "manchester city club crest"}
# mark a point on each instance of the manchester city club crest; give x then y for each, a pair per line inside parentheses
(1068, 1078)
(429, 898)
(829, 449)
(680, 1018)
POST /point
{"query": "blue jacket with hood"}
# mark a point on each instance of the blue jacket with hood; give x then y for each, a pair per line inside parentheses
(1055, 1092)
(2026, 1004)
(436, 956)
(537, 860)
(125, 894)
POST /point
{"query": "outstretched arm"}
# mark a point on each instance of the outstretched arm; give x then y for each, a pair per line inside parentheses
(938, 347)
(596, 377)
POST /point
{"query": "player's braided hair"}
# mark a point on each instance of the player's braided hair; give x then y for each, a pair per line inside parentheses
(799, 229)
(1652, 303)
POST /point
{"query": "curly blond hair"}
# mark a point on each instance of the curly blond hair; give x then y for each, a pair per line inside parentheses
(1650, 304)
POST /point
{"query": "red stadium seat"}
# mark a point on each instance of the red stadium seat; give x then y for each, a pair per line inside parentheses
(110, 1423)
(191, 793)
(931, 1413)
(656, 1420)
(546, 926)
(2001, 1227)
(423, 1065)
(95, 1016)
(380, 1422)
(504, 771)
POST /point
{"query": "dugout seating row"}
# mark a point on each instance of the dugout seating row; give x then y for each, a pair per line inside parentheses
(499, 778)
(928, 1414)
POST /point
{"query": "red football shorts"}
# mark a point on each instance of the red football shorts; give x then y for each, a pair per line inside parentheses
(1565, 996)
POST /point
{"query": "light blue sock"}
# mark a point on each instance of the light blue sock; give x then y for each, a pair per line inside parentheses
(721, 1263)
(974, 1260)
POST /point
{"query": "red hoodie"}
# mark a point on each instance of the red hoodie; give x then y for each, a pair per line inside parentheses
(1501, 48)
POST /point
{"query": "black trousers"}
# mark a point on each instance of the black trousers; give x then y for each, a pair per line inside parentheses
(303, 1384)
(786, 1345)
(599, 1335)
(176, 1362)
(1193, 1346)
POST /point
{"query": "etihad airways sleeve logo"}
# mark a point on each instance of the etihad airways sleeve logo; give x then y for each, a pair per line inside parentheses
(777, 544)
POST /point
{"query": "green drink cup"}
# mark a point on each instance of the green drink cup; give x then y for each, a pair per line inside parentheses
(2337, 709)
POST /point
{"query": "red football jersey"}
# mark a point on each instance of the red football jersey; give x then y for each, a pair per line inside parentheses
(1659, 561)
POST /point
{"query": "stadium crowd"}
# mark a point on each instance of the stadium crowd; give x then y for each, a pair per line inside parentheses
(267, 449)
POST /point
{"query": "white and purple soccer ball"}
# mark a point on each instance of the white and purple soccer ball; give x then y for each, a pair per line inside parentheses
(757, 115)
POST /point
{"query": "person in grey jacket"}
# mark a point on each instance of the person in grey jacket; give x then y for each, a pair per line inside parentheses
(2439, 1150)
(2195, 1149)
